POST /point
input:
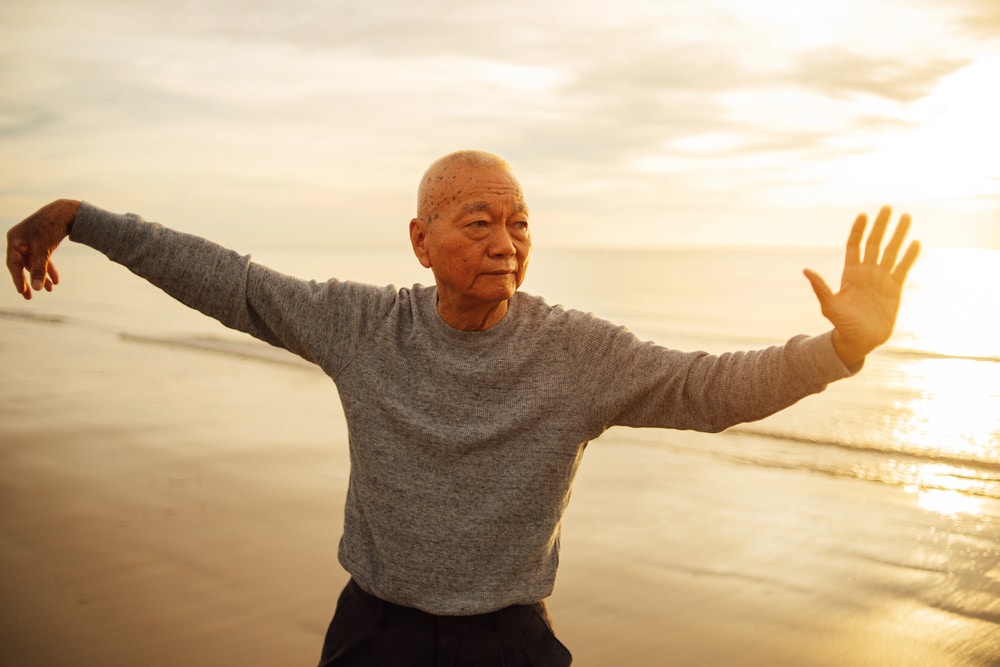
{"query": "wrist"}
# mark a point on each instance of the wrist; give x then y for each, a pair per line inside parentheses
(68, 210)
(850, 355)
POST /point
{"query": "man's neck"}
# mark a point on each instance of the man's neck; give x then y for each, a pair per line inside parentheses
(472, 319)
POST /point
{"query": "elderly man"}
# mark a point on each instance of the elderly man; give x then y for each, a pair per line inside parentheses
(469, 403)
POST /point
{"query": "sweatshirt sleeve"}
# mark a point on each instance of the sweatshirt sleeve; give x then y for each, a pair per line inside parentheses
(305, 317)
(635, 383)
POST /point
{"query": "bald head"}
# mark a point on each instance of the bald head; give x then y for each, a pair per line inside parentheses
(443, 177)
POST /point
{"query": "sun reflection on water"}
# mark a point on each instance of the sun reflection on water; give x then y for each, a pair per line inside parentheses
(946, 502)
(954, 416)
(944, 488)
(955, 411)
(950, 322)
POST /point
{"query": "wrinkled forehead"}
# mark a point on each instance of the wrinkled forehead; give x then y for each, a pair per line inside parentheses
(469, 188)
(515, 204)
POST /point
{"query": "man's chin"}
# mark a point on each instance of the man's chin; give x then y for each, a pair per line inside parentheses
(502, 287)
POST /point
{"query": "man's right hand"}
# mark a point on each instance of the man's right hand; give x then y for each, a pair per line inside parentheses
(30, 244)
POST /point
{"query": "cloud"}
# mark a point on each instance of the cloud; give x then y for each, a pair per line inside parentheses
(980, 19)
(19, 119)
(639, 111)
(839, 72)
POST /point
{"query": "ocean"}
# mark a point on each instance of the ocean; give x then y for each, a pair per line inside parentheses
(918, 427)
(924, 414)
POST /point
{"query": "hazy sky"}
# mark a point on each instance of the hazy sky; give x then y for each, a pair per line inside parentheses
(718, 121)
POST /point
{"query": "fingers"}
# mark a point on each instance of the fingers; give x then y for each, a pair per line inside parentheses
(874, 244)
(854, 240)
(16, 264)
(22, 259)
(896, 242)
(53, 278)
(30, 244)
(39, 264)
(903, 268)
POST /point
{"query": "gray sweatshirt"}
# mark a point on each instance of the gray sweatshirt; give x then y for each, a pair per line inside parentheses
(463, 445)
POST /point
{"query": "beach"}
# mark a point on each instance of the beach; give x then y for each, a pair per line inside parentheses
(170, 502)
(172, 493)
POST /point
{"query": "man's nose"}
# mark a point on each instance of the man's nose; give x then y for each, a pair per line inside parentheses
(501, 243)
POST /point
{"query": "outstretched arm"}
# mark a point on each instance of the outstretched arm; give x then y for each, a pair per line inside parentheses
(31, 242)
(863, 311)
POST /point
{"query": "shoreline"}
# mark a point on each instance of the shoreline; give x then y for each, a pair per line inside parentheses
(166, 507)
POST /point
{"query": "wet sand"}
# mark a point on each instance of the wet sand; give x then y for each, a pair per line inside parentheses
(181, 507)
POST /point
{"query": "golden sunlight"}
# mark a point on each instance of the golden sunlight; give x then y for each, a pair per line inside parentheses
(949, 151)
(946, 502)
(943, 488)
(952, 304)
(956, 411)
(950, 322)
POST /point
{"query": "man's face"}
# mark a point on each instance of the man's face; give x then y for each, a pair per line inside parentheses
(476, 240)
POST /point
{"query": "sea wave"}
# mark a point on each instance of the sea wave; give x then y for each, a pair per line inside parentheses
(250, 349)
(952, 483)
(922, 471)
(32, 316)
(990, 464)
(931, 354)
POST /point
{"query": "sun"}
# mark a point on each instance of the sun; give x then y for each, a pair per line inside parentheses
(949, 148)
(951, 304)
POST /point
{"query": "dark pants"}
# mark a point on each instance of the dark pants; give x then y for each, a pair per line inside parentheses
(369, 632)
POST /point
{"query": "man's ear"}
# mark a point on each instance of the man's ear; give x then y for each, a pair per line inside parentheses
(418, 239)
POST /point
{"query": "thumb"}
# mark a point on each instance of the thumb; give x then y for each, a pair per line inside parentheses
(820, 288)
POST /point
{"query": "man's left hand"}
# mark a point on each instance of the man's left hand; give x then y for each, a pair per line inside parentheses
(864, 311)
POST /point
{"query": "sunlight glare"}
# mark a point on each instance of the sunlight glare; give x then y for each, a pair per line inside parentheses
(950, 148)
(944, 502)
(952, 304)
(943, 488)
(956, 411)
(950, 324)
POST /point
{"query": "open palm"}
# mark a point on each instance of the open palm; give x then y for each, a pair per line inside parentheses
(863, 311)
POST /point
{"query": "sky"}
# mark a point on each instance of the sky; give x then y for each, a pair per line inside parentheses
(308, 122)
